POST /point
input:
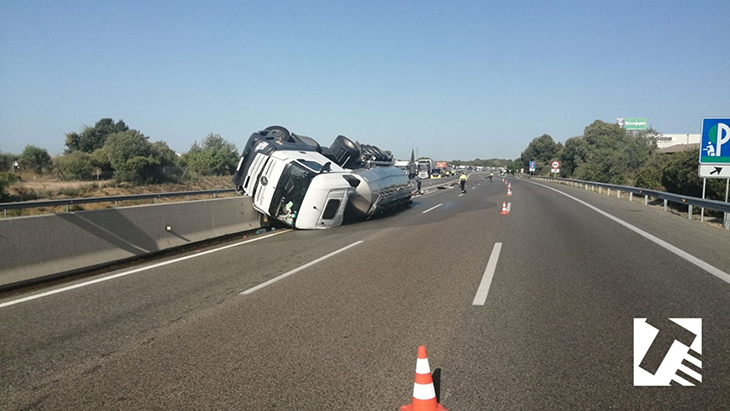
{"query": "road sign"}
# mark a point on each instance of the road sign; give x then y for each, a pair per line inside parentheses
(632, 123)
(555, 165)
(715, 141)
(532, 166)
(714, 170)
(555, 170)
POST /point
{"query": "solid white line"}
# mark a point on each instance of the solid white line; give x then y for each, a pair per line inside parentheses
(681, 253)
(474, 187)
(136, 270)
(461, 194)
(432, 208)
(296, 270)
(483, 289)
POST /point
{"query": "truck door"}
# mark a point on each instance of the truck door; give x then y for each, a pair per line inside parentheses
(334, 209)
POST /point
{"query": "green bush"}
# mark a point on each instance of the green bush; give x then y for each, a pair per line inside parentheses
(77, 165)
(138, 170)
(6, 179)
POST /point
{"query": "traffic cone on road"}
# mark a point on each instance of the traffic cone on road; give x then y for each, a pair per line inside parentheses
(504, 209)
(509, 185)
(509, 193)
(424, 395)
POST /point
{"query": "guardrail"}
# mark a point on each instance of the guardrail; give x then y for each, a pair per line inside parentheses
(111, 199)
(646, 193)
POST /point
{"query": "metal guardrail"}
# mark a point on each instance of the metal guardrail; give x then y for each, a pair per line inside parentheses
(111, 199)
(646, 193)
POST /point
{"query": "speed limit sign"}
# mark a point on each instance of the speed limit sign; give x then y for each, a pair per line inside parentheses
(555, 165)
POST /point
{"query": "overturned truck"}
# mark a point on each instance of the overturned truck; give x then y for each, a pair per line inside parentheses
(293, 179)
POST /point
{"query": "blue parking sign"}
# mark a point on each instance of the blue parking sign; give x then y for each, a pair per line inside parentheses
(532, 166)
(715, 146)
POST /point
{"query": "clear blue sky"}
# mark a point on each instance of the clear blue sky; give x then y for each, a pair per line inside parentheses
(456, 79)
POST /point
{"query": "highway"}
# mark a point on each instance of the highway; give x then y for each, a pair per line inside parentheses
(331, 319)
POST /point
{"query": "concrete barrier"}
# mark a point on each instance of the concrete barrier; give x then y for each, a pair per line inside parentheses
(40, 246)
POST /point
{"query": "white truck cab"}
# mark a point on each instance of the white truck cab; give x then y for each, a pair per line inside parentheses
(294, 180)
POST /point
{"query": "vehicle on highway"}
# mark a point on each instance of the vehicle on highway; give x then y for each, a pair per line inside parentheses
(293, 179)
(425, 167)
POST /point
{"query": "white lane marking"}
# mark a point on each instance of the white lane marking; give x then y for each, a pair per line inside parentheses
(473, 187)
(681, 253)
(296, 270)
(483, 289)
(461, 194)
(432, 208)
(509, 207)
(136, 270)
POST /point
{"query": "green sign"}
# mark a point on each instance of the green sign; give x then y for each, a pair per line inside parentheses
(634, 123)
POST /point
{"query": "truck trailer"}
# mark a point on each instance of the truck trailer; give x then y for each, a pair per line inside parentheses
(293, 179)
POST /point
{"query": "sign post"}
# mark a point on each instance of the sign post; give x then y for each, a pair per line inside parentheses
(715, 154)
(555, 167)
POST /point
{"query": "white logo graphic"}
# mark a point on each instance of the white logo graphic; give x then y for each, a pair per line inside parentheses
(722, 137)
(677, 358)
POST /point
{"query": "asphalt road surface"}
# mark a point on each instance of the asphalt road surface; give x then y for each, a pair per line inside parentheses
(547, 325)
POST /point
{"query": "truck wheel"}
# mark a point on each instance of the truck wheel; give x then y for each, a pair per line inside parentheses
(280, 133)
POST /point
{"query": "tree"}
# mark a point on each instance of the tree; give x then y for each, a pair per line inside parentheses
(163, 154)
(542, 150)
(214, 156)
(139, 170)
(77, 164)
(7, 160)
(35, 158)
(93, 138)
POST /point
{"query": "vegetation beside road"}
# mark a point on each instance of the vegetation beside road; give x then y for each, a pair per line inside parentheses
(606, 153)
(109, 157)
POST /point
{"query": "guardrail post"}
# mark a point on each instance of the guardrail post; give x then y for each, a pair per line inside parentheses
(609, 192)
(154, 200)
(5, 214)
(646, 199)
(618, 193)
(67, 208)
(599, 190)
(689, 212)
(665, 205)
(631, 196)
(116, 204)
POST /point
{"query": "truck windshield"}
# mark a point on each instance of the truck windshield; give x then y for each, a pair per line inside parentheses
(290, 192)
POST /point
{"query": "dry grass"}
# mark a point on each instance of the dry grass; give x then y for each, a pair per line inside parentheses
(48, 188)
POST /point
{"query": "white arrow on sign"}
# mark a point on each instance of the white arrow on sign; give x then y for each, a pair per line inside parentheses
(714, 170)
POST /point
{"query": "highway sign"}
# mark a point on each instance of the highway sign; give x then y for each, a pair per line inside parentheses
(532, 166)
(714, 170)
(555, 165)
(633, 123)
(715, 141)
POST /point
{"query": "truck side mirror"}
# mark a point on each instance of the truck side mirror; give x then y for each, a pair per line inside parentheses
(354, 182)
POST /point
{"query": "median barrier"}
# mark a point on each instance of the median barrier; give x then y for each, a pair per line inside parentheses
(45, 246)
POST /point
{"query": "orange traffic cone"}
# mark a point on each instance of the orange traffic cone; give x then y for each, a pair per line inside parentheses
(509, 193)
(509, 185)
(424, 395)
(504, 208)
